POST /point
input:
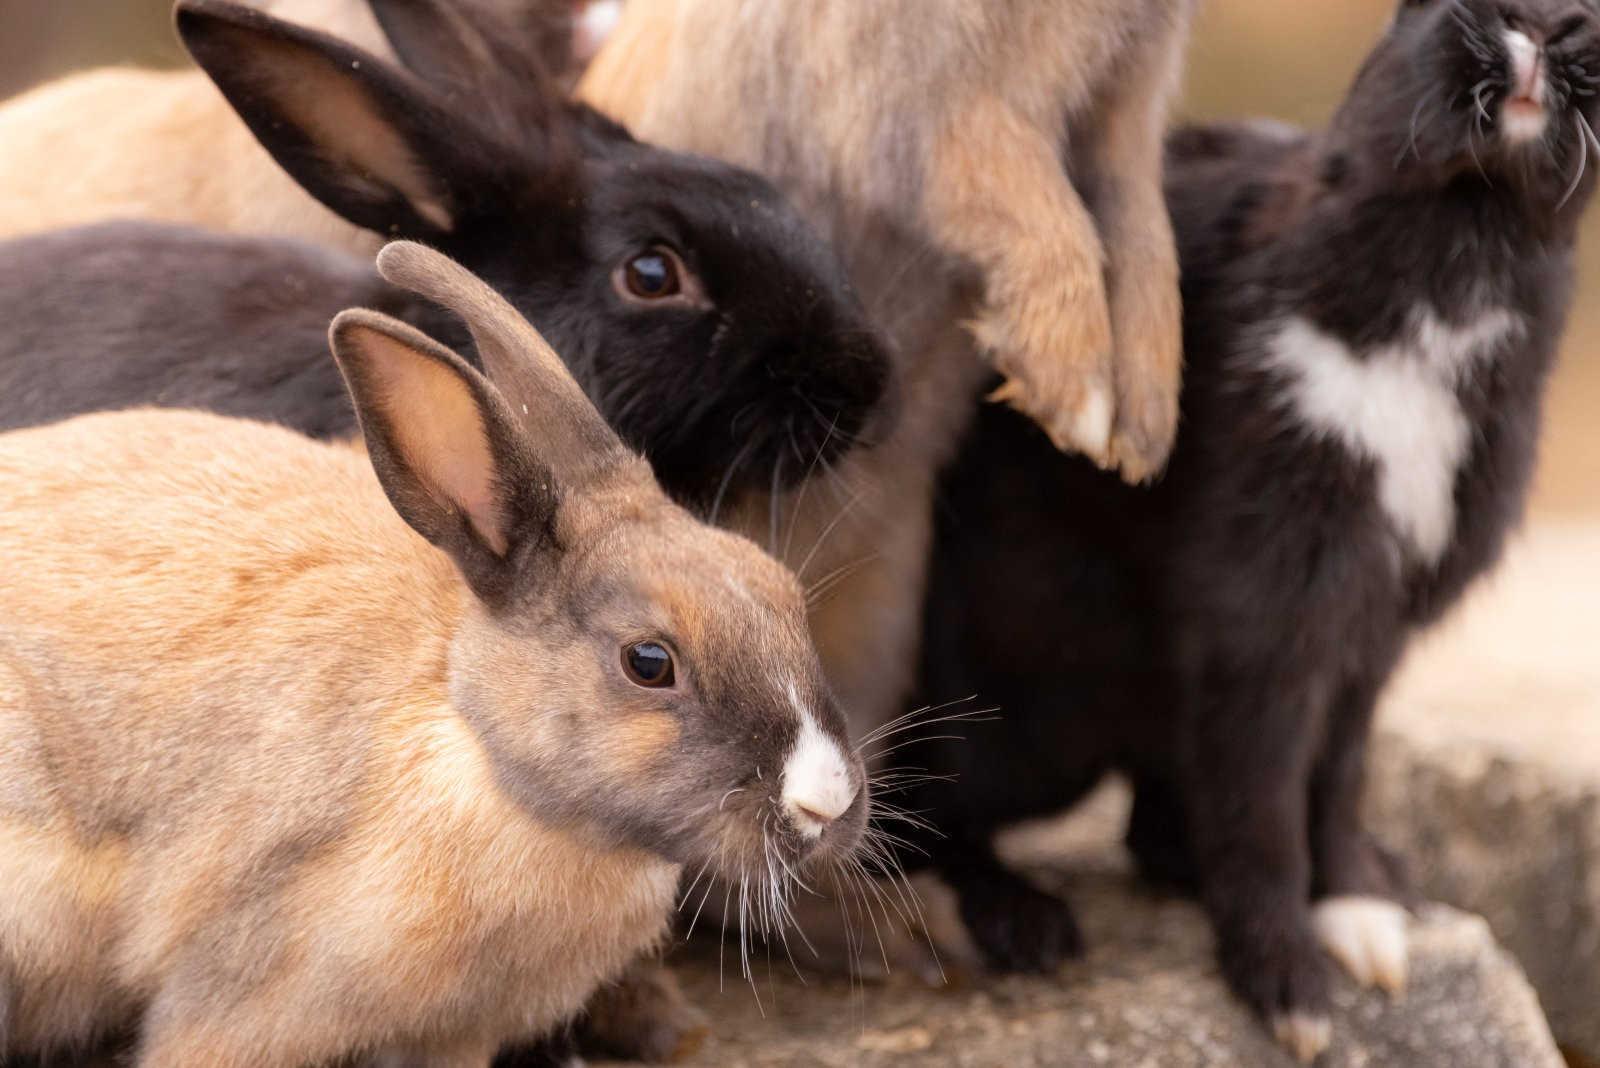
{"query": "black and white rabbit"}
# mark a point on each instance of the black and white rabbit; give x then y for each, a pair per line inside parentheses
(709, 323)
(1371, 313)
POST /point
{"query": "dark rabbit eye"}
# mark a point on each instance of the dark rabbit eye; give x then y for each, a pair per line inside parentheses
(648, 664)
(653, 275)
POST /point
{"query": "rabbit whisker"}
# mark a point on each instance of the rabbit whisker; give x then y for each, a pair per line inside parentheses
(727, 479)
(1583, 162)
(805, 484)
(800, 572)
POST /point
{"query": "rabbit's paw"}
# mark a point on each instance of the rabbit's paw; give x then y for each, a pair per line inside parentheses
(1148, 322)
(1278, 970)
(644, 1016)
(1054, 350)
(1018, 927)
(1367, 936)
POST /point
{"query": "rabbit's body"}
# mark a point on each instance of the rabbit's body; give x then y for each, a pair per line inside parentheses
(54, 176)
(708, 321)
(129, 314)
(928, 140)
(192, 815)
(1371, 314)
(166, 145)
(307, 764)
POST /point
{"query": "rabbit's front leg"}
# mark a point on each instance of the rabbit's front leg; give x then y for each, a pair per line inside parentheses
(643, 1016)
(996, 194)
(1124, 146)
(1249, 735)
(1360, 889)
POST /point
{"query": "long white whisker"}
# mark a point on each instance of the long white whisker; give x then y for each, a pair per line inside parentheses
(727, 479)
(805, 484)
(827, 531)
(1583, 163)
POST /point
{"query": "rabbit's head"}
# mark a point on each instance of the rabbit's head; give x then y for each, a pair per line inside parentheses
(630, 672)
(717, 333)
(1505, 92)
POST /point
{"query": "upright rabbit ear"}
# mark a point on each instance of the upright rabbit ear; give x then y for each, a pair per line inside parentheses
(368, 140)
(462, 47)
(446, 448)
(565, 430)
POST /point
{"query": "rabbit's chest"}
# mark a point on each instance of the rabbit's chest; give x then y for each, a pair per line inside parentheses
(1394, 408)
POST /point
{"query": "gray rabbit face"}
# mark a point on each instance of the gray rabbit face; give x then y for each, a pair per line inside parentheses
(1508, 90)
(672, 702)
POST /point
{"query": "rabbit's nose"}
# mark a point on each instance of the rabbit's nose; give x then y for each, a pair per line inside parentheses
(816, 782)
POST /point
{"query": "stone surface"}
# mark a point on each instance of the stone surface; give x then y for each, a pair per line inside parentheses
(1147, 994)
(1506, 839)
(1487, 775)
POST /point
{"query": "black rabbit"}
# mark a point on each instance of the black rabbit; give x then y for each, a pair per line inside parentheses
(1371, 314)
(712, 327)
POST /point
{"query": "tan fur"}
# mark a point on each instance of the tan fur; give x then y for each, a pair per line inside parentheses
(128, 143)
(163, 145)
(266, 752)
(157, 838)
(936, 142)
(348, 20)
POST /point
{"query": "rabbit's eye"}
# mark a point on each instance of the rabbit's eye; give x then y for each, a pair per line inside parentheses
(648, 664)
(653, 275)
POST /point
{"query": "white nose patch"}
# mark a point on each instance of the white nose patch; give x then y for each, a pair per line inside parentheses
(1523, 114)
(816, 777)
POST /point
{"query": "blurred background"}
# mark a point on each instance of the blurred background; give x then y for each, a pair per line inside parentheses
(1518, 669)
(1266, 57)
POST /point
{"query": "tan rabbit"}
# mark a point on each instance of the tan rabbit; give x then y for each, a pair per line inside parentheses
(286, 782)
(166, 145)
(992, 162)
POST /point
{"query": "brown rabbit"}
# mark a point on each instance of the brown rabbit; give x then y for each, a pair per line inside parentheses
(1022, 137)
(286, 782)
(972, 160)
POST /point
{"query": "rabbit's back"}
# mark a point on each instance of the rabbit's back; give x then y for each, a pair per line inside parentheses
(167, 573)
(224, 728)
(130, 313)
(126, 143)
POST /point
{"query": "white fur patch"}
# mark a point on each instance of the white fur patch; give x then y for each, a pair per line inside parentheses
(1367, 936)
(1523, 116)
(1396, 407)
(1091, 426)
(1303, 1034)
(816, 776)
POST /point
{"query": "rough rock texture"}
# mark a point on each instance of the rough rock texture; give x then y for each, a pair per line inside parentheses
(1146, 995)
(1507, 839)
(1488, 773)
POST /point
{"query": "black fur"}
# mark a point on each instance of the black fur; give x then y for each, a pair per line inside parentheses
(545, 199)
(127, 313)
(1223, 637)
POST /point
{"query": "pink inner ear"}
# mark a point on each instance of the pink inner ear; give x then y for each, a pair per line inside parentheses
(345, 124)
(435, 423)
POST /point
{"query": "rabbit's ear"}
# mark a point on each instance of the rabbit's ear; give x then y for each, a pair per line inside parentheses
(463, 48)
(446, 448)
(369, 141)
(563, 428)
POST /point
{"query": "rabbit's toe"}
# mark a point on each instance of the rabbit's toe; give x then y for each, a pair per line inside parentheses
(1367, 936)
(643, 1017)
